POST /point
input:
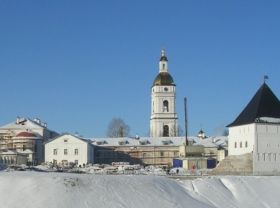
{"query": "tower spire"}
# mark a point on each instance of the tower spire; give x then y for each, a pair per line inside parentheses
(162, 52)
(163, 62)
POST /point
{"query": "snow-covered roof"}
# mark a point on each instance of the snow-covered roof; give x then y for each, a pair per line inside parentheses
(27, 151)
(68, 134)
(268, 120)
(8, 152)
(160, 141)
(24, 124)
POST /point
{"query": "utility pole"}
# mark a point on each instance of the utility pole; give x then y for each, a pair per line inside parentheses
(186, 121)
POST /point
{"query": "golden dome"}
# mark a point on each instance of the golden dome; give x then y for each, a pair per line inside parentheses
(163, 78)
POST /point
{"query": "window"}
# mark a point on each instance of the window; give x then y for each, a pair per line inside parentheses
(76, 162)
(240, 144)
(65, 140)
(246, 144)
(76, 151)
(161, 153)
(65, 151)
(235, 144)
(165, 130)
(54, 162)
(54, 151)
(263, 156)
(165, 106)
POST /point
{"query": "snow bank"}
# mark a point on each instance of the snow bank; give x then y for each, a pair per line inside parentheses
(235, 191)
(63, 190)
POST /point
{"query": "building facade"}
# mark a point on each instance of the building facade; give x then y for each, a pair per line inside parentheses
(164, 119)
(257, 131)
(10, 130)
(25, 137)
(68, 149)
(158, 151)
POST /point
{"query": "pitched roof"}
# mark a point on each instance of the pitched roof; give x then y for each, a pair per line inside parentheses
(25, 124)
(70, 135)
(263, 104)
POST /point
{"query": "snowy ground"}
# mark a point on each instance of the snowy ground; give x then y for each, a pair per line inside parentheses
(50, 190)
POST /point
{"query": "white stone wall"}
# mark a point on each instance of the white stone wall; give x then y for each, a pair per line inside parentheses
(263, 140)
(161, 116)
(70, 143)
(266, 157)
(241, 139)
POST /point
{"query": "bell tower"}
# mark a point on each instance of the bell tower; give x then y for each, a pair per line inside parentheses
(163, 122)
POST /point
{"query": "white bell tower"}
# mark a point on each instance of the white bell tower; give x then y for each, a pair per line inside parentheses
(163, 122)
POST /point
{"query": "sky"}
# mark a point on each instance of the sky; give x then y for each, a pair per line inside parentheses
(78, 64)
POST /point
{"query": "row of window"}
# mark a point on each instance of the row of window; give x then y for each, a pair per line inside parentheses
(267, 156)
(65, 152)
(240, 144)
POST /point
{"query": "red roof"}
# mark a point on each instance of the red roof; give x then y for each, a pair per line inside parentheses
(25, 134)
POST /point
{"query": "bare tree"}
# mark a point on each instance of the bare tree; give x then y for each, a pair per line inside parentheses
(221, 131)
(226, 132)
(117, 128)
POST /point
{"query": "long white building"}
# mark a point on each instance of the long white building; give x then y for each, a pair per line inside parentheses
(257, 130)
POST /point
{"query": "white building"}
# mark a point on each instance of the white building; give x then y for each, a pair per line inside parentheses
(67, 148)
(155, 151)
(12, 157)
(25, 124)
(257, 130)
(163, 122)
(25, 136)
(29, 144)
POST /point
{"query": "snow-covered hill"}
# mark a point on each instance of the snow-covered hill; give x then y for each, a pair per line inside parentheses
(51, 190)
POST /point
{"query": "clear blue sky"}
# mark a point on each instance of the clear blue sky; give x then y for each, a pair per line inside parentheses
(78, 64)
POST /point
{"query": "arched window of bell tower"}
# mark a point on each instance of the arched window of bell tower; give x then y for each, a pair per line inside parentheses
(165, 106)
(166, 131)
